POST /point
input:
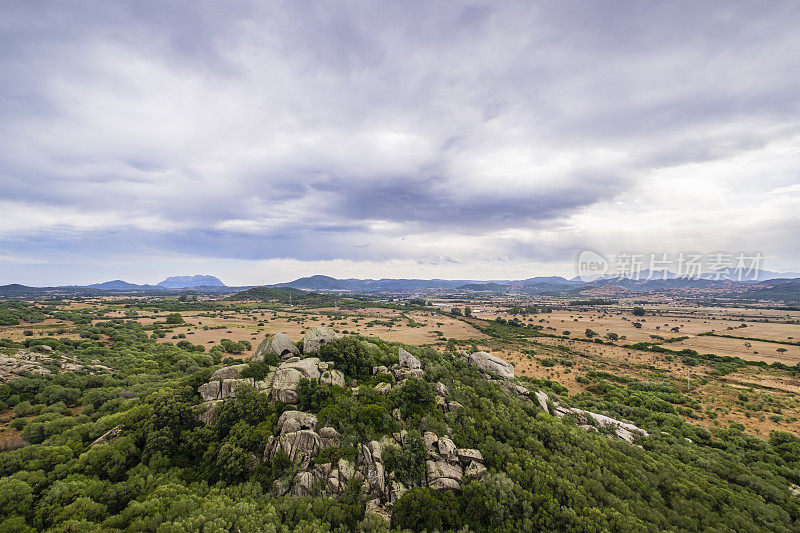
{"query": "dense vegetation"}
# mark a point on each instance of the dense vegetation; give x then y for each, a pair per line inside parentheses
(165, 471)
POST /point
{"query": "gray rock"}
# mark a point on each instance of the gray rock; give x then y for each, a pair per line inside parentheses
(279, 344)
(430, 439)
(475, 470)
(228, 372)
(447, 449)
(383, 388)
(333, 482)
(316, 337)
(404, 373)
(440, 469)
(302, 484)
(328, 433)
(300, 446)
(441, 388)
(468, 455)
(491, 364)
(407, 360)
(207, 412)
(347, 470)
(453, 406)
(377, 370)
(332, 377)
(624, 430)
(444, 483)
(210, 391)
(288, 375)
(291, 421)
(542, 397)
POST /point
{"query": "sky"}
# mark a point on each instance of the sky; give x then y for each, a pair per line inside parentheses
(264, 141)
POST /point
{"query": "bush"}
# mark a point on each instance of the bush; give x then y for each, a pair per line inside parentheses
(423, 509)
(350, 355)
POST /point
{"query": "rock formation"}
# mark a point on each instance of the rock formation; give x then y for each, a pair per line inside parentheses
(316, 337)
(488, 363)
(279, 344)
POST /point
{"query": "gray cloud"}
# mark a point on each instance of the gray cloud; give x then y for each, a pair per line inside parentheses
(426, 132)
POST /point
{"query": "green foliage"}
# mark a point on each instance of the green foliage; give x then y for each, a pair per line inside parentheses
(174, 318)
(350, 355)
(414, 398)
(257, 370)
(423, 509)
(158, 469)
(408, 462)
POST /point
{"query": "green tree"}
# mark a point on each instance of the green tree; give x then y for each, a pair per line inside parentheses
(350, 355)
(174, 318)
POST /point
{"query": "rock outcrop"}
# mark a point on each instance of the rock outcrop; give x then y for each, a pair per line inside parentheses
(409, 366)
(288, 375)
(490, 364)
(447, 465)
(296, 437)
(590, 421)
(281, 384)
(317, 337)
(407, 360)
(279, 344)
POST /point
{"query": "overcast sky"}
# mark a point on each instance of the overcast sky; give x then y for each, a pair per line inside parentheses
(262, 142)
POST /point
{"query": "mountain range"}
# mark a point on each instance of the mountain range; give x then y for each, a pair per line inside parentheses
(779, 285)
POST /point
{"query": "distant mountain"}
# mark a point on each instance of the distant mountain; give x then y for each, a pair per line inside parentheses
(550, 280)
(491, 286)
(183, 282)
(284, 295)
(319, 283)
(116, 285)
(787, 290)
(327, 283)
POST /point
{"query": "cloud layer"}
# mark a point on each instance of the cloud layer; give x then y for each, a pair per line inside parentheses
(435, 139)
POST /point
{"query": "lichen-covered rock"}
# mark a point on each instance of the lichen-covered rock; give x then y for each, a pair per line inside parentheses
(447, 449)
(468, 455)
(210, 391)
(542, 397)
(328, 432)
(317, 337)
(444, 483)
(383, 388)
(291, 421)
(228, 372)
(279, 344)
(207, 412)
(441, 388)
(301, 486)
(404, 373)
(332, 377)
(430, 439)
(624, 430)
(288, 375)
(300, 446)
(440, 469)
(475, 470)
(491, 364)
(407, 360)
(372, 467)
(329, 436)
